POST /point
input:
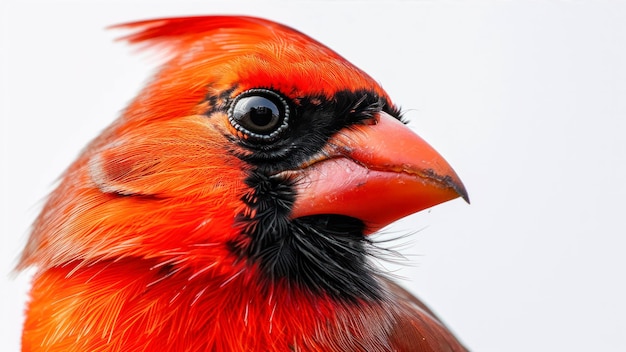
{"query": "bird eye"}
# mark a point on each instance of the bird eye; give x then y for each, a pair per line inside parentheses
(259, 113)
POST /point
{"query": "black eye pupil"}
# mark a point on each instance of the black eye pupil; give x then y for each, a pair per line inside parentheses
(259, 113)
(262, 116)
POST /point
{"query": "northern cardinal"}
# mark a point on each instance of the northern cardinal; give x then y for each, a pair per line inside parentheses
(229, 208)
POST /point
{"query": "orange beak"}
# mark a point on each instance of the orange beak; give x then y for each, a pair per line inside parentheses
(377, 173)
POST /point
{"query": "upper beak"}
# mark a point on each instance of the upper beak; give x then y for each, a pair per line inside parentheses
(377, 173)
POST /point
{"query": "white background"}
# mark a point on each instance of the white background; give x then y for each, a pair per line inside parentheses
(526, 99)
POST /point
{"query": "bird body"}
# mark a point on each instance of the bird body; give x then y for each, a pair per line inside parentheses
(229, 207)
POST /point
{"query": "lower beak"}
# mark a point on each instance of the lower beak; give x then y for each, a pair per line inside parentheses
(377, 173)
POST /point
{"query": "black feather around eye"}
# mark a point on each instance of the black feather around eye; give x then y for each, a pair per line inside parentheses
(361, 109)
(313, 120)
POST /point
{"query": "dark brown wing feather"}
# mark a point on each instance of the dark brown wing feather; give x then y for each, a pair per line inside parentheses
(416, 327)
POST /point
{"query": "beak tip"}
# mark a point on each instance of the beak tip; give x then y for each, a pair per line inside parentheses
(452, 181)
(465, 197)
(462, 192)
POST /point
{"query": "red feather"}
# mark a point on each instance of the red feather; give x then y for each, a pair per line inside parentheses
(132, 248)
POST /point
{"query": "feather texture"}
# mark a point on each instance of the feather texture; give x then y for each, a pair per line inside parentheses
(173, 230)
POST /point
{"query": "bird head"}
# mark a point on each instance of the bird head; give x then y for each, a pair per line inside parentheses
(253, 149)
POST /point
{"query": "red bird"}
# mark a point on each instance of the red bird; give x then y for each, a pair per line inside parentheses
(229, 208)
